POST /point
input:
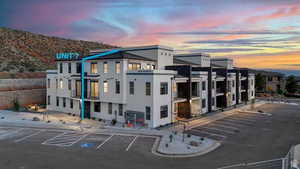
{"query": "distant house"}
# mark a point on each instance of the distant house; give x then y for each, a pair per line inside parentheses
(273, 82)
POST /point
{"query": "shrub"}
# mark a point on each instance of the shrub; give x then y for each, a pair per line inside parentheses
(113, 122)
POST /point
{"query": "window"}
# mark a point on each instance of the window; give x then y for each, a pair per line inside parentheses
(71, 103)
(78, 67)
(48, 101)
(105, 67)
(117, 87)
(252, 82)
(118, 67)
(109, 108)
(69, 84)
(97, 107)
(203, 103)
(252, 93)
(233, 97)
(148, 113)
(134, 66)
(120, 109)
(163, 111)
(94, 69)
(61, 83)
(203, 86)
(233, 83)
(57, 101)
(70, 67)
(64, 102)
(213, 101)
(148, 67)
(153, 67)
(213, 85)
(60, 68)
(131, 88)
(48, 83)
(78, 88)
(148, 89)
(105, 86)
(94, 89)
(56, 83)
(163, 88)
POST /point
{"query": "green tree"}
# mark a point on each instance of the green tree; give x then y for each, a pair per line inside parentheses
(291, 84)
(259, 82)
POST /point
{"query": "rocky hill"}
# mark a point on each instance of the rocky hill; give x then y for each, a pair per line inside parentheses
(22, 51)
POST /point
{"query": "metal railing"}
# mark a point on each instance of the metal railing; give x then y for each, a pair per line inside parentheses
(74, 94)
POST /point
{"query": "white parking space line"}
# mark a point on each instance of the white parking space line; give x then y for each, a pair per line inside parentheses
(223, 126)
(66, 140)
(54, 137)
(106, 140)
(217, 129)
(131, 143)
(211, 134)
(242, 119)
(11, 132)
(230, 123)
(24, 138)
(238, 121)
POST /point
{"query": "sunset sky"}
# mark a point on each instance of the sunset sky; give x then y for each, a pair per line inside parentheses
(256, 33)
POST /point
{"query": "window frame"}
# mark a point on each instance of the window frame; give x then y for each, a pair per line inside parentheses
(105, 86)
(118, 87)
(117, 67)
(110, 108)
(120, 109)
(148, 113)
(69, 67)
(164, 87)
(131, 87)
(105, 67)
(94, 68)
(98, 105)
(148, 88)
(165, 112)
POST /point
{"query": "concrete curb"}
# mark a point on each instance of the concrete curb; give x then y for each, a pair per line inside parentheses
(155, 151)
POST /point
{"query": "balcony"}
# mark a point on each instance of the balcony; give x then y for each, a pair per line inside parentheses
(88, 95)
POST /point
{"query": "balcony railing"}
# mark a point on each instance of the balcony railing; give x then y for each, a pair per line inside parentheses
(89, 96)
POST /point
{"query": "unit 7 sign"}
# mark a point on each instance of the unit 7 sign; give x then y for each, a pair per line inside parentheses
(67, 56)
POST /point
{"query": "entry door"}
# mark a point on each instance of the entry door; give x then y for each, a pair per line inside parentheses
(87, 109)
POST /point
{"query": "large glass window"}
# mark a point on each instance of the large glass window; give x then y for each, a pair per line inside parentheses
(105, 86)
(78, 88)
(148, 88)
(69, 84)
(94, 89)
(148, 113)
(57, 101)
(109, 108)
(163, 88)
(134, 66)
(64, 102)
(71, 103)
(203, 85)
(78, 67)
(48, 100)
(163, 111)
(94, 68)
(60, 68)
(69, 67)
(61, 84)
(120, 109)
(118, 67)
(48, 85)
(97, 107)
(203, 103)
(131, 87)
(117, 87)
(105, 67)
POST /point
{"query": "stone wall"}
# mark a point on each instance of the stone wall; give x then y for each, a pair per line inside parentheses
(27, 91)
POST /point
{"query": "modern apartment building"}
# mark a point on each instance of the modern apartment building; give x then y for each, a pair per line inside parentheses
(147, 85)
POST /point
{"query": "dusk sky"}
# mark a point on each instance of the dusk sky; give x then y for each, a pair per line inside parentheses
(256, 33)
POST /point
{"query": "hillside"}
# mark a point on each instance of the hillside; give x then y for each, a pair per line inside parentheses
(22, 51)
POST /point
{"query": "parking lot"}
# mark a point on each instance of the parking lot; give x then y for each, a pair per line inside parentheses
(234, 124)
(259, 138)
(70, 139)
